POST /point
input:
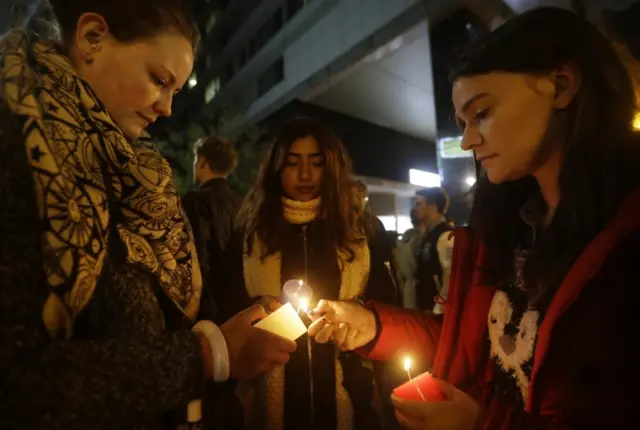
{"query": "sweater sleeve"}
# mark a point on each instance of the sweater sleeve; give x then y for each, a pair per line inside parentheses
(403, 332)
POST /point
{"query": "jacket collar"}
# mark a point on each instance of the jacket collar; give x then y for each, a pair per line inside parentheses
(214, 183)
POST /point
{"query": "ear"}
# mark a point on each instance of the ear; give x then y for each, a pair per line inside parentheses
(91, 32)
(567, 81)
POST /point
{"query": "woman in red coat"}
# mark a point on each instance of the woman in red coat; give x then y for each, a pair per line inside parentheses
(539, 325)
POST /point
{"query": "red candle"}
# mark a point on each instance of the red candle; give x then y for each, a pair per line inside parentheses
(423, 388)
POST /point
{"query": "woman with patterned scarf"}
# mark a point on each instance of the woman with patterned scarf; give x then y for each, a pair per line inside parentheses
(99, 282)
(298, 223)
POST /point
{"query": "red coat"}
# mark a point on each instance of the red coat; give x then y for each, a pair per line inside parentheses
(587, 357)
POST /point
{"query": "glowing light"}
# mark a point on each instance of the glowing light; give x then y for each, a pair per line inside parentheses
(424, 179)
(407, 362)
(300, 283)
(304, 305)
(193, 81)
(636, 122)
(470, 180)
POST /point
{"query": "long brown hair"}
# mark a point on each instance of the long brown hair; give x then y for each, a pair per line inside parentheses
(262, 212)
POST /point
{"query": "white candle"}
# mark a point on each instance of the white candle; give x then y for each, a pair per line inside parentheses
(284, 322)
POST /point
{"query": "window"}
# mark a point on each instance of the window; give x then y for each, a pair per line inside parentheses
(271, 77)
(212, 90)
(211, 22)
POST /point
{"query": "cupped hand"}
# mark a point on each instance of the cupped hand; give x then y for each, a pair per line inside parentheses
(458, 411)
(269, 303)
(347, 323)
(253, 351)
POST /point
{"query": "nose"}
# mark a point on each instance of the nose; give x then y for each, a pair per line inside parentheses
(163, 106)
(304, 171)
(470, 139)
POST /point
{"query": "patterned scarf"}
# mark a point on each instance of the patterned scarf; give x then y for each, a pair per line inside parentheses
(88, 180)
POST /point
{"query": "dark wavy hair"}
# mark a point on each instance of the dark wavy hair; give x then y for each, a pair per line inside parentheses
(262, 212)
(600, 150)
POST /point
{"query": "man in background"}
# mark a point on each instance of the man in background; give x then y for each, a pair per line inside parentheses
(406, 258)
(211, 208)
(436, 249)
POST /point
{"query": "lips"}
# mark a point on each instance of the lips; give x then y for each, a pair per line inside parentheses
(146, 119)
(305, 190)
(483, 159)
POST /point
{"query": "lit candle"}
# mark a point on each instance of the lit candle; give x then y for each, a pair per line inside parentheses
(407, 368)
(284, 322)
(303, 305)
(422, 388)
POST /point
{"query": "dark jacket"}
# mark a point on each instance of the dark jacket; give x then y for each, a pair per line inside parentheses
(429, 268)
(584, 372)
(211, 209)
(323, 274)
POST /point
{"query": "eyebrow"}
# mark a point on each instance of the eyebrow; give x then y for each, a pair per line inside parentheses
(296, 154)
(172, 79)
(469, 102)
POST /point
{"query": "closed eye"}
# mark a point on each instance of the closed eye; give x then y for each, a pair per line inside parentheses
(482, 114)
(159, 81)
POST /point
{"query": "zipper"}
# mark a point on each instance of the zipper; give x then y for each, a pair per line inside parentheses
(396, 290)
(309, 355)
(306, 258)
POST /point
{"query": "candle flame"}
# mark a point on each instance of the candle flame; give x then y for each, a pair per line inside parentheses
(300, 283)
(304, 304)
(407, 363)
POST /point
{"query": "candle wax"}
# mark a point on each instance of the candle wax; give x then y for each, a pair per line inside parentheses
(284, 322)
(426, 384)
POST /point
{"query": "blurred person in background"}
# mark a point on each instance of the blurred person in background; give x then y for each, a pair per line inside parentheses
(99, 280)
(435, 251)
(211, 208)
(406, 258)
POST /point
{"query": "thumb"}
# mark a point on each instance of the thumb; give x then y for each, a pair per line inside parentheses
(254, 313)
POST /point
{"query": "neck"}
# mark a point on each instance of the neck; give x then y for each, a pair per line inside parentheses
(430, 224)
(548, 178)
(208, 176)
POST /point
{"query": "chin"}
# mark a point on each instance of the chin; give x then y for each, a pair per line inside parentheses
(495, 177)
(131, 131)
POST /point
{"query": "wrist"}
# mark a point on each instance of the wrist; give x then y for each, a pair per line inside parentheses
(219, 357)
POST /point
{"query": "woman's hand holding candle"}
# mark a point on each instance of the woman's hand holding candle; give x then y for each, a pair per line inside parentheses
(269, 303)
(347, 323)
(458, 411)
(253, 351)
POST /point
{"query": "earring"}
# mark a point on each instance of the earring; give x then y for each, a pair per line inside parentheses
(96, 46)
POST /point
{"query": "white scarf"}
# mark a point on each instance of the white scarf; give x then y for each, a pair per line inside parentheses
(262, 277)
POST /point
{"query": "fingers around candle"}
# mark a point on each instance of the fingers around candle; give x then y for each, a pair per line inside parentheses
(325, 334)
(254, 313)
(410, 422)
(349, 343)
(416, 408)
(316, 326)
(341, 334)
